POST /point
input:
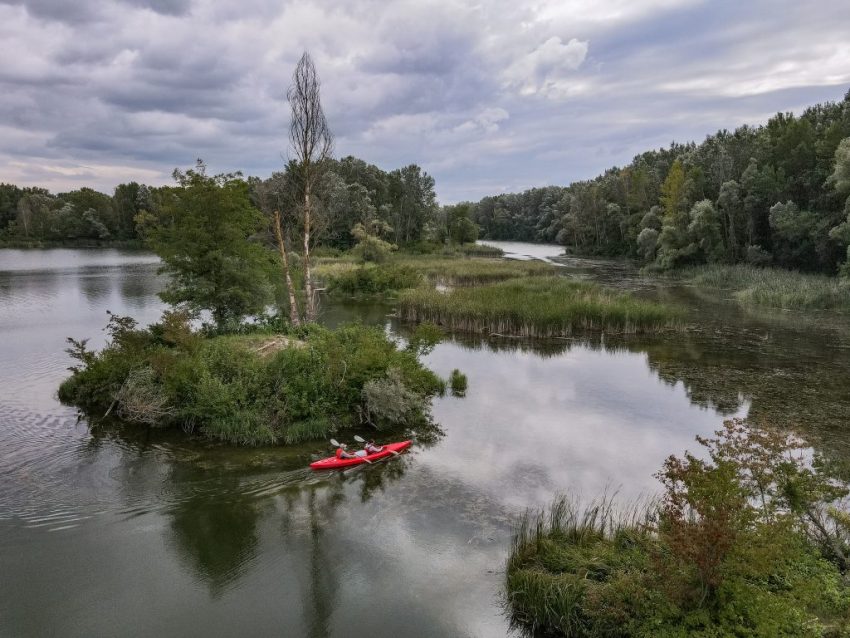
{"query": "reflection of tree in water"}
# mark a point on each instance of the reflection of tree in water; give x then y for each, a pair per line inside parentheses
(309, 514)
(787, 380)
(96, 283)
(215, 533)
(139, 285)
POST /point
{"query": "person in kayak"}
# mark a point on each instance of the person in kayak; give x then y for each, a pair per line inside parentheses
(343, 453)
(372, 448)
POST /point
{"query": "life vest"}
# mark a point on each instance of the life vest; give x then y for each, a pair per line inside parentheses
(338, 453)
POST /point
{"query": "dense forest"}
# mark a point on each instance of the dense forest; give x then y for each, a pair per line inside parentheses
(773, 194)
(399, 205)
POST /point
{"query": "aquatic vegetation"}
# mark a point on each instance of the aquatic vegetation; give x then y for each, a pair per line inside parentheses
(751, 540)
(372, 279)
(466, 272)
(481, 250)
(458, 383)
(254, 389)
(774, 287)
(536, 307)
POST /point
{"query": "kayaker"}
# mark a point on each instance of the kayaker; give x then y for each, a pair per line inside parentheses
(371, 448)
(343, 453)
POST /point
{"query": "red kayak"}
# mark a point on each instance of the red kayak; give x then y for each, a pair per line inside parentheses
(332, 462)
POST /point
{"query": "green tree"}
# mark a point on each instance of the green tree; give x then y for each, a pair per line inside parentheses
(203, 238)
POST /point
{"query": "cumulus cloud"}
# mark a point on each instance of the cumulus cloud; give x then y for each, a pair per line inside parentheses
(486, 96)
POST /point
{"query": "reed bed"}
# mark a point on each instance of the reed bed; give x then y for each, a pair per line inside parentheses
(481, 250)
(774, 287)
(536, 307)
(467, 272)
(564, 554)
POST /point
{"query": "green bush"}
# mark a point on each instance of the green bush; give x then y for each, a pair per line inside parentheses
(250, 389)
(372, 280)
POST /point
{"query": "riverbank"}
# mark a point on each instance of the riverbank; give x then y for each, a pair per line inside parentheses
(35, 244)
(754, 541)
(772, 287)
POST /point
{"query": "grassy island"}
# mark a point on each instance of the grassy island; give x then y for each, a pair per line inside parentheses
(536, 307)
(251, 389)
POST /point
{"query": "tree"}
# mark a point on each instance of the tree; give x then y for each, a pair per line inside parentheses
(312, 145)
(203, 237)
(706, 233)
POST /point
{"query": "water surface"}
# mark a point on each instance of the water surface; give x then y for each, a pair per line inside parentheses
(119, 531)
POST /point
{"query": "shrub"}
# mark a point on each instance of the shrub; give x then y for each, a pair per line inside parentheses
(389, 401)
(371, 280)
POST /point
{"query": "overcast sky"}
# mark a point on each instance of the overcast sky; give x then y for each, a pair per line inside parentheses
(486, 96)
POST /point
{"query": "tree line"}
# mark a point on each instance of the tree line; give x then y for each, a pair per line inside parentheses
(352, 191)
(773, 194)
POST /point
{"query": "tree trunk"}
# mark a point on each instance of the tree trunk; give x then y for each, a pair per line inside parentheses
(310, 305)
(290, 289)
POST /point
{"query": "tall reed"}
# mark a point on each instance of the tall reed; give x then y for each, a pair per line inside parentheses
(536, 307)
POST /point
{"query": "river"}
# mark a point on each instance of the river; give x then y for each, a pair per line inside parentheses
(110, 531)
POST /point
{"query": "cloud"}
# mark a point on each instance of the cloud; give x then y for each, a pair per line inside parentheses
(547, 68)
(485, 96)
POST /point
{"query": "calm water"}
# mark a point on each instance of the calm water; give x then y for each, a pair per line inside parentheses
(109, 532)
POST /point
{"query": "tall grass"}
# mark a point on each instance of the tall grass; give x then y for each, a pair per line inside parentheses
(466, 272)
(481, 250)
(536, 307)
(774, 287)
(560, 554)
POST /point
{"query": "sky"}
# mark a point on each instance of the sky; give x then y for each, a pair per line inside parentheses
(488, 96)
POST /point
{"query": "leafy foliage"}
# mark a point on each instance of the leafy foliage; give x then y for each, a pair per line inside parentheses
(202, 236)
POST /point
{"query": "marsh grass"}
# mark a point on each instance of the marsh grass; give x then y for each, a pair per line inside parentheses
(466, 272)
(481, 250)
(536, 307)
(561, 555)
(774, 287)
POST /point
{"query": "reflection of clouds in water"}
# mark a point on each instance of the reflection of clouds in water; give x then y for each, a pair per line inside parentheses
(585, 420)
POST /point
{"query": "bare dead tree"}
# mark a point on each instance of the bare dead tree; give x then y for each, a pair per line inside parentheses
(312, 145)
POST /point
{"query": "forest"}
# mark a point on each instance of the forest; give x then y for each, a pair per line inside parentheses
(399, 204)
(775, 194)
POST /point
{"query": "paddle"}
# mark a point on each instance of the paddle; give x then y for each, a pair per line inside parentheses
(360, 439)
(336, 443)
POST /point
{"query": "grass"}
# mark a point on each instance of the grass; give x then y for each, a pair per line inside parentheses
(467, 272)
(773, 287)
(536, 307)
(481, 250)
(458, 383)
(346, 276)
(563, 558)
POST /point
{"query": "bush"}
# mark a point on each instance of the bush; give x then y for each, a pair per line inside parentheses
(372, 280)
(389, 401)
